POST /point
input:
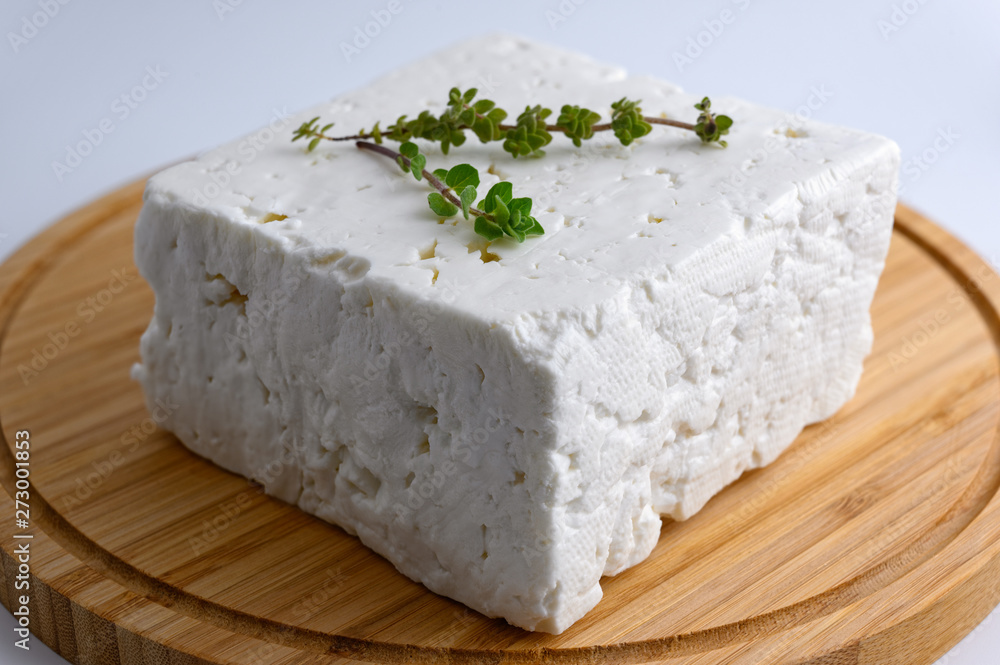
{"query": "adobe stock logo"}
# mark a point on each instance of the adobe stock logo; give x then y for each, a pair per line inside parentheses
(58, 339)
(713, 30)
(31, 25)
(122, 107)
(381, 18)
(900, 16)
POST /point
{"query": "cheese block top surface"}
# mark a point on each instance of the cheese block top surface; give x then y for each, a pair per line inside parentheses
(614, 216)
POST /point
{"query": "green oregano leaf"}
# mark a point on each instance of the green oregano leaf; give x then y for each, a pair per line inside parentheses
(409, 150)
(521, 205)
(417, 166)
(501, 213)
(534, 229)
(487, 229)
(515, 220)
(440, 205)
(502, 191)
(467, 196)
(483, 106)
(461, 175)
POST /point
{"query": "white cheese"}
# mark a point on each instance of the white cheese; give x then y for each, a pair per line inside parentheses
(507, 432)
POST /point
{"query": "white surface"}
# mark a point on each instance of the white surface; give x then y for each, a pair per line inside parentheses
(935, 76)
(587, 381)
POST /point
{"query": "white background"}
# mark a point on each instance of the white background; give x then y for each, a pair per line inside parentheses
(913, 70)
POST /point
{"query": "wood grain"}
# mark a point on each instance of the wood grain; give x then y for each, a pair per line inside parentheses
(874, 539)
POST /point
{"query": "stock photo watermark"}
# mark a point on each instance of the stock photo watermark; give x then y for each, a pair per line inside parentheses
(713, 28)
(130, 441)
(225, 7)
(227, 512)
(562, 12)
(900, 15)
(32, 24)
(914, 168)
(363, 35)
(57, 340)
(932, 324)
(248, 149)
(121, 108)
(791, 126)
(20, 580)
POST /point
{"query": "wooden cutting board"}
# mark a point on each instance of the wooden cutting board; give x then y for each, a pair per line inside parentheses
(874, 539)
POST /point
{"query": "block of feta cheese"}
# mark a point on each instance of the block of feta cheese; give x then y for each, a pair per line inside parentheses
(507, 423)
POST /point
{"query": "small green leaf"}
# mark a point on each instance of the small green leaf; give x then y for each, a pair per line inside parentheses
(502, 191)
(469, 94)
(517, 233)
(467, 196)
(461, 175)
(534, 228)
(723, 122)
(522, 205)
(483, 129)
(441, 173)
(483, 106)
(409, 149)
(487, 229)
(501, 214)
(515, 219)
(417, 166)
(467, 117)
(497, 115)
(440, 205)
(313, 144)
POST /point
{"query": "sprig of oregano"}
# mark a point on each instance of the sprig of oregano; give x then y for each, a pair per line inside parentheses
(531, 131)
(498, 214)
(711, 127)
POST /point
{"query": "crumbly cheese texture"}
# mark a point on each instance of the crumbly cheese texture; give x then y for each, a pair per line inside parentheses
(506, 424)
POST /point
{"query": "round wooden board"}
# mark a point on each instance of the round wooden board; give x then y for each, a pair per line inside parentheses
(874, 539)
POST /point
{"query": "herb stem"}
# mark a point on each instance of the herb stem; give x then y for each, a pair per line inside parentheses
(606, 126)
(432, 179)
(663, 121)
(600, 127)
(356, 137)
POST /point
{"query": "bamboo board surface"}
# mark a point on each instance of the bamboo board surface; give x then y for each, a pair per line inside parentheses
(874, 539)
